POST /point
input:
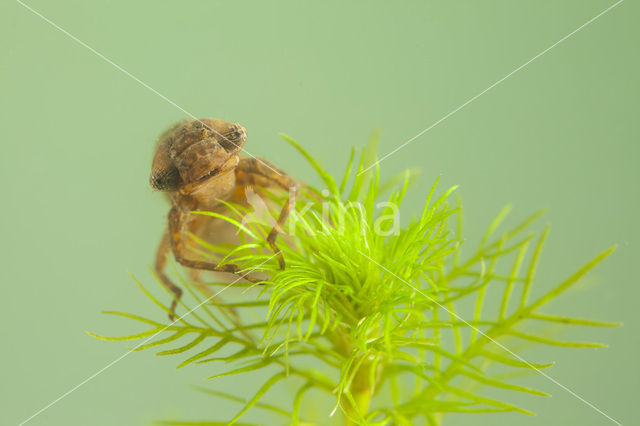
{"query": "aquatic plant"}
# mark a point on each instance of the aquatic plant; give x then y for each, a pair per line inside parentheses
(393, 323)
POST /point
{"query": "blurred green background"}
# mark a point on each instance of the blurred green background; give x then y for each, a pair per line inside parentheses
(78, 134)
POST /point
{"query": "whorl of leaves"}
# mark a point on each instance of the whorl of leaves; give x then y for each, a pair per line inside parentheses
(370, 317)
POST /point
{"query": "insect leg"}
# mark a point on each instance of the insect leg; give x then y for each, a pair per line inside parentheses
(177, 228)
(161, 261)
(277, 228)
(259, 172)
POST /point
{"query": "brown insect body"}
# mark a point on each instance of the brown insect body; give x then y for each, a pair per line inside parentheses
(197, 164)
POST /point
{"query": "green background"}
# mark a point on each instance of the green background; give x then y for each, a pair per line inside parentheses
(78, 134)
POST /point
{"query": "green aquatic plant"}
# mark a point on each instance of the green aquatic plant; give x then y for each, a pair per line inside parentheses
(393, 323)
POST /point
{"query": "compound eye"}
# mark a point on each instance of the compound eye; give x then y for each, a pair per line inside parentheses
(233, 138)
(167, 179)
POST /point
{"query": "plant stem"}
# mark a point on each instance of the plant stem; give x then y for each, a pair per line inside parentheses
(361, 391)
